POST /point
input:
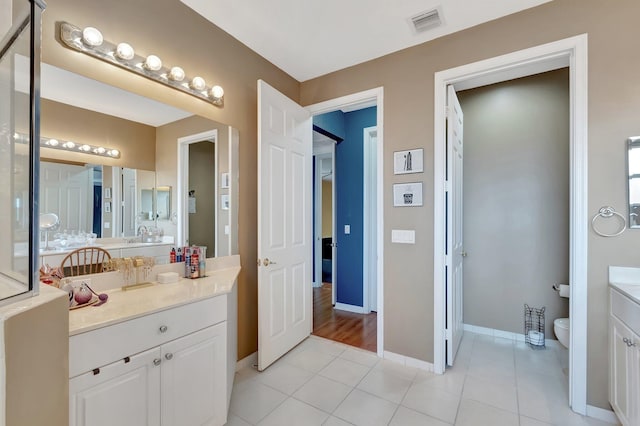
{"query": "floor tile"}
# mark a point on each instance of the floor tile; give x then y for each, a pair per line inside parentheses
(233, 420)
(363, 409)
(335, 421)
(294, 413)
(309, 359)
(398, 369)
(366, 358)
(407, 417)
(255, 402)
(323, 393)
(386, 385)
(491, 393)
(344, 371)
(285, 377)
(473, 413)
(452, 381)
(527, 421)
(432, 401)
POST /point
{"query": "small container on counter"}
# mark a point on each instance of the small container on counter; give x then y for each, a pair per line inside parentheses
(203, 261)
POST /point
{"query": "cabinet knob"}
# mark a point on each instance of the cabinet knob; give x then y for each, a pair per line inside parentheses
(629, 342)
(168, 356)
(163, 328)
(157, 361)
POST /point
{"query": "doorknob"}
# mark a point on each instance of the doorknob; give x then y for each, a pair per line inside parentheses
(464, 253)
(267, 262)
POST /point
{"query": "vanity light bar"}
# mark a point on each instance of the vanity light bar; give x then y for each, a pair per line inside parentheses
(71, 146)
(91, 42)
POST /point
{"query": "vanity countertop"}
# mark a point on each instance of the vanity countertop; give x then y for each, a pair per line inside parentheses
(129, 304)
(626, 281)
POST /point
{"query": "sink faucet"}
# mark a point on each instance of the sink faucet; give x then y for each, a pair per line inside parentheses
(142, 230)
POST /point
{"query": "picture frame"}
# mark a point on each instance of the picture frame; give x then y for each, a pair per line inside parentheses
(107, 207)
(224, 202)
(408, 161)
(407, 194)
(107, 192)
(224, 181)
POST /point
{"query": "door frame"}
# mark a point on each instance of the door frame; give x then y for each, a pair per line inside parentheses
(359, 100)
(570, 52)
(183, 183)
(370, 209)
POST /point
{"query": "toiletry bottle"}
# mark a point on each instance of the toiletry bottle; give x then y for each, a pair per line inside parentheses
(179, 255)
(172, 255)
(187, 262)
(195, 262)
(203, 261)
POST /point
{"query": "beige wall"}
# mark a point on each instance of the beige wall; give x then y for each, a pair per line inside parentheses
(36, 345)
(407, 77)
(327, 208)
(516, 200)
(178, 35)
(202, 172)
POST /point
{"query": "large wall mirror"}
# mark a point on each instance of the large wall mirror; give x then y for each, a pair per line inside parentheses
(633, 167)
(120, 198)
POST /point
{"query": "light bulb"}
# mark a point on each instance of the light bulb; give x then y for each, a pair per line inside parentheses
(69, 145)
(125, 51)
(217, 92)
(114, 153)
(100, 150)
(153, 63)
(176, 74)
(198, 83)
(92, 37)
(85, 148)
(53, 142)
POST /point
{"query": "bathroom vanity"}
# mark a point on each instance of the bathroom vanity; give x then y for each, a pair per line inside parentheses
(158, 355)
(624, 343)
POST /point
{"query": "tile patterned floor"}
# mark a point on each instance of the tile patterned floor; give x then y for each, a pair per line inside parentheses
(495, 382)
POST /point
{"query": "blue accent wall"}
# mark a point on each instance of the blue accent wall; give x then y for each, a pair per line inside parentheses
(349, 197)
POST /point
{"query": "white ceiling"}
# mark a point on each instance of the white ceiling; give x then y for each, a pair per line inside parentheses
(308, 39)
(66, 87)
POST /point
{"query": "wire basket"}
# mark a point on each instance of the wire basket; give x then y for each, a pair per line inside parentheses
(534, 327)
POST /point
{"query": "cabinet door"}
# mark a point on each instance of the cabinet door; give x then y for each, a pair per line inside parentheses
(620, 370)
(194, 382)
(122, 393)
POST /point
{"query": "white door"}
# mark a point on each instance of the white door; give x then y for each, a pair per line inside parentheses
(193, 387)
(284, 224)
(121, 393)
(455, 249)
(370, 219)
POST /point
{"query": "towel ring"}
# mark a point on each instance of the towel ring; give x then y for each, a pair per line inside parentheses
(607, 212)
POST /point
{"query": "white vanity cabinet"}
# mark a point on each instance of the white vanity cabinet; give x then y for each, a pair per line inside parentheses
(624, 358)
(167, 368)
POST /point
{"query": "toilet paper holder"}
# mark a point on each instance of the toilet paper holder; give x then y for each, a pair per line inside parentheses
(562, 289)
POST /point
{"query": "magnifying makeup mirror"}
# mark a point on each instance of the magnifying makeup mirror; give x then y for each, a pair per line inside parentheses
(48, 222)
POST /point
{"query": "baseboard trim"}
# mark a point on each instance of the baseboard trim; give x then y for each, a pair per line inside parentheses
(408, 361)
(506, 335)
(248, 361)
(349, 308)
(602, 414)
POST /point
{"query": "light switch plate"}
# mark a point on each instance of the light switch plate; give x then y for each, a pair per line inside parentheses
(107, 225)
(226, 230)
(403, 236)
(347, 229)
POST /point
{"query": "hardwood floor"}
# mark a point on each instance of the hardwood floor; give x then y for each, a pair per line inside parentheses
(353, 329)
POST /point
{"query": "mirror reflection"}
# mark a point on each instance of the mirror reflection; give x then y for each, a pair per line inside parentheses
(132, 198)
(633, 167)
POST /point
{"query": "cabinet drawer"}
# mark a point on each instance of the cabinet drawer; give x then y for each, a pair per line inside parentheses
(626, 310)
(105, 345)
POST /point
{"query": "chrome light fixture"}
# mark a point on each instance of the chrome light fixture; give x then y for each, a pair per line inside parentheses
(71, 146)
(91, 42)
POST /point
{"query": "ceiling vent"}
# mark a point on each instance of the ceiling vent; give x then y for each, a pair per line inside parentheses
(425, 21)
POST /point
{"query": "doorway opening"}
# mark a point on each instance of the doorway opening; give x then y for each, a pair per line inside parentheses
(564, 53)
(348, 164)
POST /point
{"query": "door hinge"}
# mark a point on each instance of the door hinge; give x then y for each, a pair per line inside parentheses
(446, 111)
(448, 334)
(447, 186)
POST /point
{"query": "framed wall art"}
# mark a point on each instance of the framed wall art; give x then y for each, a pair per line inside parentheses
(409, 161)
(407, 194)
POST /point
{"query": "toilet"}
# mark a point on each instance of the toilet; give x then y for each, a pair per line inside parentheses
(561, 329)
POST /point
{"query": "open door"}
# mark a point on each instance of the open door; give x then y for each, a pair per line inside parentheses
(284, 224)
(455, 250)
